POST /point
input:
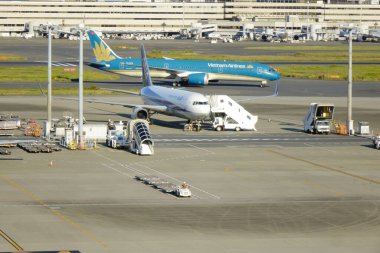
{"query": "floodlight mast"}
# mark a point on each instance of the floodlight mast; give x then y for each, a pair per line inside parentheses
(350, 123)
(49, 91)
(80, 89)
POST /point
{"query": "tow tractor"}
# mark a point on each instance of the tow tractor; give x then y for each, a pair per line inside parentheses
(183, 190)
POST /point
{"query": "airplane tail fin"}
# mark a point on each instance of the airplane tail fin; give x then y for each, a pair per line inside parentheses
(101, 50)
(147, 80)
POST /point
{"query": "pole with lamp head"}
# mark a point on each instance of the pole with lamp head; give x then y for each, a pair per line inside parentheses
(49, 91)
(80, 89)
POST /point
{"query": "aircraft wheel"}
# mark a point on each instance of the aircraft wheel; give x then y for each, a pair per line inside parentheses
(237, 129)
(218, 128)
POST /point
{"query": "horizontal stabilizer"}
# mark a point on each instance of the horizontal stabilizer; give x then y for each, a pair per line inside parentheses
(99, 65)
(156, 108)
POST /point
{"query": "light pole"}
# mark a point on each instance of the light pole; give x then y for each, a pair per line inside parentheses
(49, 116)
(183, 13)
(80, 90)
(350, 123)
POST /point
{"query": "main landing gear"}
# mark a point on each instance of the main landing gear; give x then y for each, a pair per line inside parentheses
(193, 126)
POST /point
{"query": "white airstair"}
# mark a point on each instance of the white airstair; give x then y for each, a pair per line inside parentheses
(140, 141)
(228, 114)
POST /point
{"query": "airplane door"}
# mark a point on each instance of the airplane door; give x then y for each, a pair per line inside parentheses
(121, 65)
(220, 69)
(166, 66)
(259, 70)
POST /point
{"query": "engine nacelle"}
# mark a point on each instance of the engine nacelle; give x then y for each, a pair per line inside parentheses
(266, 37)
(139, 113)
(199, 79)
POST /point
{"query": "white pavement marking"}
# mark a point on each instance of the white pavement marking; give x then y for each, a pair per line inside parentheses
(119, 171)
(313, 146)
(180, 181)
(119, 163)
(203, 149)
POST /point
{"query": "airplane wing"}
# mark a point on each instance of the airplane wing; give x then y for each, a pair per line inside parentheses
(156, 108)
(122, 91)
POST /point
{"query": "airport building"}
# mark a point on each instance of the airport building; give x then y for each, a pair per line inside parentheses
(171, 15)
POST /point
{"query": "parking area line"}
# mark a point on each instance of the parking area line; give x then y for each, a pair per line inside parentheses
(10, 241)
(327, 167)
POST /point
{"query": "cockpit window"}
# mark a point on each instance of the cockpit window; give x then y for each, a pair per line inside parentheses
(200, 103)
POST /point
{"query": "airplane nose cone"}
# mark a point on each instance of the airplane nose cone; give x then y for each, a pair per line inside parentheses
(276, 76)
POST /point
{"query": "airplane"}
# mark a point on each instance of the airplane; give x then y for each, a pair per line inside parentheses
(181, 103)
(187, 72)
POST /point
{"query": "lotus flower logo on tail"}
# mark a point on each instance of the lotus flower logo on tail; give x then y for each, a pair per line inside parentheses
(102, 53)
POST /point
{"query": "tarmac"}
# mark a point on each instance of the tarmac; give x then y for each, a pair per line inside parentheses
(277, 189)
(274, 190)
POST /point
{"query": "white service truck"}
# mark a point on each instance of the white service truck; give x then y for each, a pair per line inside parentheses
(116, 135)
(319, 118)
(376, 141)
(227, 114)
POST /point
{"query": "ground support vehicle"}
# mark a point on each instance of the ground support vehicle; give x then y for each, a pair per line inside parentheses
(319, 118)
(226, 114)
(376, 141)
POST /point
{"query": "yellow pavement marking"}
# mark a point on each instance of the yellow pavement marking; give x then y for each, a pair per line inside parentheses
(10, 241)
(64, 218)
(327, 167)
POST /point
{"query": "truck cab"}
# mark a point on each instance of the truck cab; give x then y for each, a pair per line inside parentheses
(226, 123)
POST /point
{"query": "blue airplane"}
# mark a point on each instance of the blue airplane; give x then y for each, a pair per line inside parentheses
(187, 72)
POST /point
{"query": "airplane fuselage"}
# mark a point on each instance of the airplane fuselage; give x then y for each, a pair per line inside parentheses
(179, 103)
(216, 70)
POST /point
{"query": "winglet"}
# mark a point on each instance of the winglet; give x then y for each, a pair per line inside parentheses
(147, 80)
(101, 50)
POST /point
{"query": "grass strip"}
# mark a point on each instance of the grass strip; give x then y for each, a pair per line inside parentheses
(11, 57)
(92, 90)
(59, 74)
(307, 48)
(331, 72)
(334, 56)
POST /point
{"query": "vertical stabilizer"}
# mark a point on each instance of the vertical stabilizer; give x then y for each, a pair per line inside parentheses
(101, 50)
(147, 81)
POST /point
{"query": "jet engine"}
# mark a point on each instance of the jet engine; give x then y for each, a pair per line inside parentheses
(266, 37)
(199, 79)
(139, 113)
